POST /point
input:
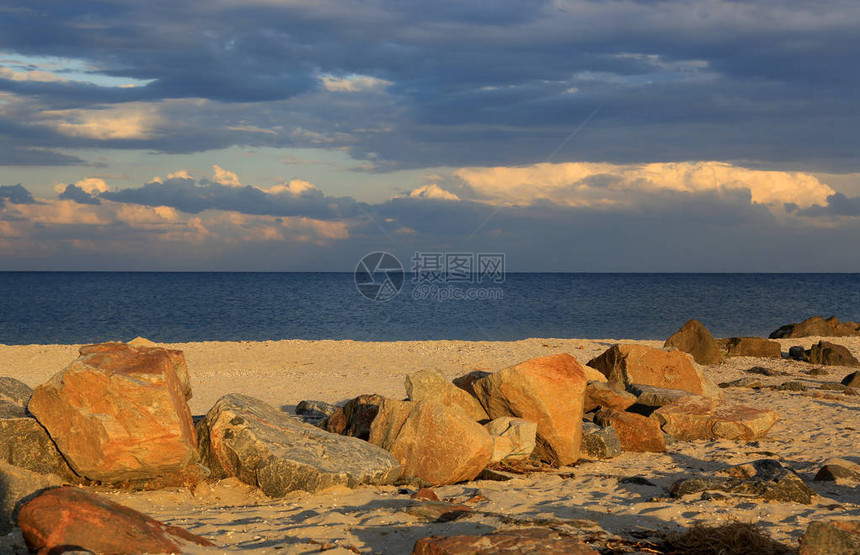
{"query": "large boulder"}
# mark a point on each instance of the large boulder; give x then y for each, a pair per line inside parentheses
(25, 443)
(431, 386)
(14, 392)
(544, 541)
(601, 394)
(830, 354)
(355, 417)
(244, 437)
(852, 379)
(176, 358)
(696, 417)
(695, 339)
(119, 413)
(625, 365)
(839, 471)
(635, 432)
(549, 391)
(765, 479)
(435, 443)
(829, 537)
(513, 438)
(16, 484)
(66, 518)
(816, 327)
(753, 347)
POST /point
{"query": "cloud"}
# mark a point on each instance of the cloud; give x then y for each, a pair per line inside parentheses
(77, 194)
(837, 205)
(16, 194)
(432, 191)
(127, 121)
(624, 186)
(224, 177)
(353, 83)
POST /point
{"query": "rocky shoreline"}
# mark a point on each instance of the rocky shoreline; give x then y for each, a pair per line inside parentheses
(602, 445)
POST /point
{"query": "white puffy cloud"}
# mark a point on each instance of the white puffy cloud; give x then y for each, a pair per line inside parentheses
(611, 185)
(293, 187)
(225, 177)
(434, 192)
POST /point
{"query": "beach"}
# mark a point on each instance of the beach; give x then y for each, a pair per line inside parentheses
(622, 498)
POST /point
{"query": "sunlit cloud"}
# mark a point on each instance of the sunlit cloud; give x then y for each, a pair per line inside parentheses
(224, 177)
(353, 83)
(432, 191)
(127, 121)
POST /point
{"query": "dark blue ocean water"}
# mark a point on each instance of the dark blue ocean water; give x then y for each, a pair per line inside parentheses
(79, 307)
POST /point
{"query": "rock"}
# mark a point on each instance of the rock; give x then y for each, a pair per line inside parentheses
(431, 386)
(635, 432)
(244, 437)
(852, 379)
(435, 443)
(465, 382)
(765, 479)
(830, 354)
(624, 365)
(831, 537)
(549, 391)
(795, 352)
(816, 326)
(695, 339)
(599, 443)
(544, 541)
(119, 413)
(817, 372)
(599, 394)
(14, 392)
(695, 417)
(828, 386)
(315, 412)
(753, 347)
(16, 484)
(513, 438)
(762, 371)
(25, 443)
(791, 386)
(655, 397)
(62, 517)
(747, 382)
(177, 358)
(839, 470)
(355, 417)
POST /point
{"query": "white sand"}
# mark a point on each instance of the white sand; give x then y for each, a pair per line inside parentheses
(811, 430)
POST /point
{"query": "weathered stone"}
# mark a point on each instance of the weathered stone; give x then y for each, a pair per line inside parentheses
(599, 394)
(829, 386)
(817, 372)
(513, 438)
(830, 354)
(852, 379)
(25, 443)
(465, 382)
(839, 470)
(543, 541)
(624, 365)
(765, 479)
(795, 352)
(791, 385)
(635, 432)
(695, 417)
(747, 382)
(816, 326)
(64, 517)
(176, 358)
(244, 437)
(763, 371)
(831, 537)
(355, 417)
(695, 339)
(315, 412)
(15, 484)
(119, 413)
(598, 442)
(753, 347)
(549, 391)
(431, 386)
(14, 392)
(656, 397)
(435, 443)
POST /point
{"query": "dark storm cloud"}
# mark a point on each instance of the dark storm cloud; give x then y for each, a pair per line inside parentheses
(75, 193)
(490, 83)
(16, 194)
(837, 205)
(192, 197)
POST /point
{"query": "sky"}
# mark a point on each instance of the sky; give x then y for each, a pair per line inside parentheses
(300, 135)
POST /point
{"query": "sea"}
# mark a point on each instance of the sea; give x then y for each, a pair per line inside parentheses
(85, 307)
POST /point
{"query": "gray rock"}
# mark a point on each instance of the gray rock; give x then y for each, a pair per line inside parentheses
(764, 479)
(838, 470)
(748, 382)
(796, 352)
(791, 386)
(315, 408)
(15, 484)
(14, 392)
(653, 397)
(763, 371)
(244, 437)
(599, 443)
(829, 386)
(817, 372)
(852, 379)
(831, 537)
(25, 443)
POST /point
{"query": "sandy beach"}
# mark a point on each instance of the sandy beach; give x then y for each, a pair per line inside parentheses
(592, 499)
